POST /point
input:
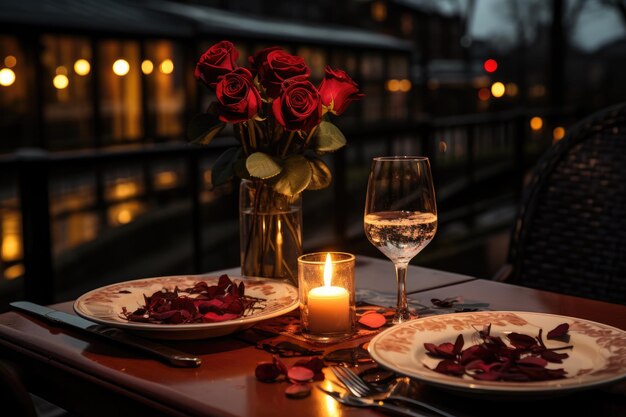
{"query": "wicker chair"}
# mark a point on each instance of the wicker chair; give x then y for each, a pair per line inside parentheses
(570, 233)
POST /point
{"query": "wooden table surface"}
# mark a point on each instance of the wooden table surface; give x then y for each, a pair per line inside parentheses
(95, 378)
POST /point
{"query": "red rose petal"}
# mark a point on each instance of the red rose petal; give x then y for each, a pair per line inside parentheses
(373, 320)
(298, 391)
(558, 332)
(280, 364)
(266, 371)
(300, 374)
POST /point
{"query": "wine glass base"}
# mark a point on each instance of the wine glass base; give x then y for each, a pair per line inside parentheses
(402, 316)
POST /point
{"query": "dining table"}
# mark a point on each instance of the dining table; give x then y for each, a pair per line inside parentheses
(89, 376)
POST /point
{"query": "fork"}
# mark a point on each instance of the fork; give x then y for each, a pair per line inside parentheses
(354, 401)
(357, 386)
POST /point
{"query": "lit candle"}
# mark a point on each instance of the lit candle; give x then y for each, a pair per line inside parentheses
(278, 261)
(329, 307)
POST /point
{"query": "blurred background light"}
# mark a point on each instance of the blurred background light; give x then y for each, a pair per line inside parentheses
(82, 67)
(121, 67)
(511, 89)
(379, 11)
(536, 123)
(404, 86)
(60, 81)
(147, 67)
(167, 66)
(490, 65)
(558, 133)
(484, 94)
(10, 61)
(7, 77)
(393, 85)
(497, 89)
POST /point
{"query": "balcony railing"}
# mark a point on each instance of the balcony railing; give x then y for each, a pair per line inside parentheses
(478, 161)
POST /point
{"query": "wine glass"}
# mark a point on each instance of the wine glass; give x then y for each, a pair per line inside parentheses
(400, 214)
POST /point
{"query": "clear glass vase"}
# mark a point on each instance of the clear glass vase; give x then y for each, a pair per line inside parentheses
(270, 232)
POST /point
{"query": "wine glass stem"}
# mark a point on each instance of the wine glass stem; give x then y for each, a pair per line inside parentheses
(402, 309)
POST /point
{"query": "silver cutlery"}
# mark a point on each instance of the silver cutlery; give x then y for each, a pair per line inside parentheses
(360, 388)
(165, 353)
(353, 401)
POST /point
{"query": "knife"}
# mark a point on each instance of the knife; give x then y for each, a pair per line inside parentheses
(164, 353)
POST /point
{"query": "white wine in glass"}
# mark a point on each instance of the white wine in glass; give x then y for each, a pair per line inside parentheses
(400, 214)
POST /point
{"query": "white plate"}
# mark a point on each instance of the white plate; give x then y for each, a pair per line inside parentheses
(598, 356)
(104, 305)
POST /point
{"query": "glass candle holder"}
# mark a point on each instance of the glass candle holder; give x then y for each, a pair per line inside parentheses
(327, 295)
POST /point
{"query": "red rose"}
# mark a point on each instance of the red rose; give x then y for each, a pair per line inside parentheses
(257, 60)
(217, 61)
(238, 99)
(337, 90)
(278, 67)
(298, 107)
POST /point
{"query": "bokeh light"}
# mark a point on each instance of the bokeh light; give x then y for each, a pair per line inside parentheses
(121, 67)
(490, 65)
(167, 66)
(60, 81)
(405, 86)
(393, 85)
(497, 89)
(82, 67)
(147, 67)
(536, 123)
(558, 133)
(62, 70)
(10, 61)
(7, 77)
(484, 94)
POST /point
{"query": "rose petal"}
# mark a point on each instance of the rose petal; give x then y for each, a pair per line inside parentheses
(266, 371)
(373, 320)
(300, 374)
(297, 391)
(558, 332)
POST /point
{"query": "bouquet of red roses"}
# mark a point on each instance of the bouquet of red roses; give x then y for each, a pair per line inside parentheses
(279, 117)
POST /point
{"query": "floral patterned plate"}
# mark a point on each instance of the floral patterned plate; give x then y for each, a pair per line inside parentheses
(598, 356)
(104, 305)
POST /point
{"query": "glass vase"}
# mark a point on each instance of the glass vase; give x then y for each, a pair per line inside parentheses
(270, 232)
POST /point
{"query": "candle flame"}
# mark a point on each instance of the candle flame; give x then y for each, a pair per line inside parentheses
(279, 234)
(328, 271)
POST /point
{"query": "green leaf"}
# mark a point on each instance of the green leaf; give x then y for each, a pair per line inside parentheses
(328, 138)
(263, 166)
(224, 168)
(203, 128)
(295, 177)
(321, 176)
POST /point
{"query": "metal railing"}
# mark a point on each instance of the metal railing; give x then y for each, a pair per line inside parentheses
(33, 168)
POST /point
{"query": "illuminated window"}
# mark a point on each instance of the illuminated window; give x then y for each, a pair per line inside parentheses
(120, 91)
(406, 23)
(15, 98)
(315, 58)
(398, 70)
(165, 88)
(68, 104)
(379, 11)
